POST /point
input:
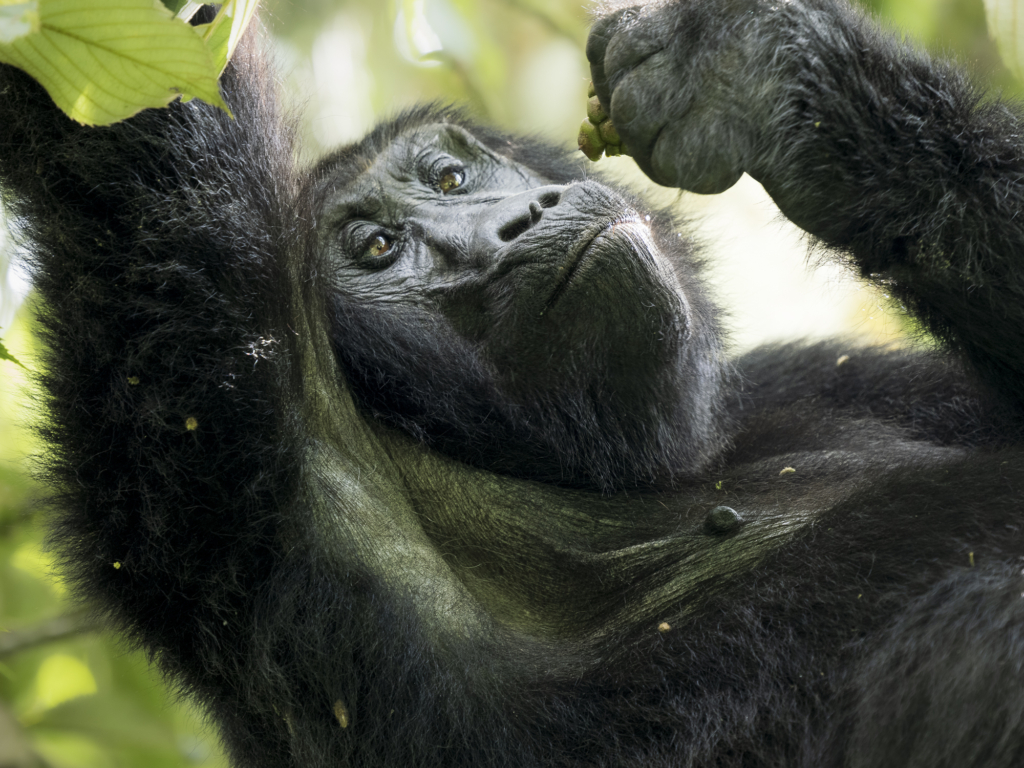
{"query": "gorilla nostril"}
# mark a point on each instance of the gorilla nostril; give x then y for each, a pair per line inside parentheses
(549, 199)
(510, 230)
(514, 228)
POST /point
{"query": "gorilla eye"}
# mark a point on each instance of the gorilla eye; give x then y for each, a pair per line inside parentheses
(369, 246)
(378, 247)
(450, 180)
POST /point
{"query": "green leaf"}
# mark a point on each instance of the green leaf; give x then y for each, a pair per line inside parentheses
(1006, 26)
(223, 33)
(105, 60)
(5, 355)
(175, 6)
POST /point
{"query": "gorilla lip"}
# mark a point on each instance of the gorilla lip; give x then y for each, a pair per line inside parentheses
(578, 254)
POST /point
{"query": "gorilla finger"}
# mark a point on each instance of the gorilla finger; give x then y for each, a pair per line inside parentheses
(601, 33)
(618, 44)
(631, 49)
(636, 125)
(597, 43)
(600, 83)
(638, 107)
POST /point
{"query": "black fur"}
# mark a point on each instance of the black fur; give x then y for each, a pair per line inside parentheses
(335, 593)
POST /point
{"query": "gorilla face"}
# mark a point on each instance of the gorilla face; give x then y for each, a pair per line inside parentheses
(526, 271)
(551, 310)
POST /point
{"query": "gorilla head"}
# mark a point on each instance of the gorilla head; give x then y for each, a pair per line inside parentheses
(497, 304)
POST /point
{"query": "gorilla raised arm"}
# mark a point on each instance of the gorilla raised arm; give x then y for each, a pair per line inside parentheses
(799, 563)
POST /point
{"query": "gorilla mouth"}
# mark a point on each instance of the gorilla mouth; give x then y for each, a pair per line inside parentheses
(580, 252)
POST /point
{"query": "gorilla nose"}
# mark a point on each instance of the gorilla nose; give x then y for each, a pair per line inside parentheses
(519, 220)
(508, 219)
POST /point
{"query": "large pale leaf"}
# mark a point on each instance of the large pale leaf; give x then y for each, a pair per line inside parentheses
(105, 60)
(1006, 25)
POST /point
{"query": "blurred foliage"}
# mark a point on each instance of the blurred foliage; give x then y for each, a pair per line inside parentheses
(1006, 25)
(5, 355)
(514, 63)
(955, 28)
(70, 697)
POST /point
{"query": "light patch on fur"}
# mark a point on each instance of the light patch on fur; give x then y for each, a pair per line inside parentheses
(341, 713)
(261, 348)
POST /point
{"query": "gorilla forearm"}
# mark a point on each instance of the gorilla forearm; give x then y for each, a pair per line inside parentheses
(165, 448)
(867, 144)
(929, 394)
(897, 161)
(872, 146)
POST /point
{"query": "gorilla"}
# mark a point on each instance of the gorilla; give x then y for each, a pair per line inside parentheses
(430, 454)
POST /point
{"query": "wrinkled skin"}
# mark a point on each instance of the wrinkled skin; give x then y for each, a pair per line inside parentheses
(397, 470)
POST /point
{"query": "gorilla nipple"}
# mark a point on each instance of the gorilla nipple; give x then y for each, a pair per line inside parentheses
(721, 520)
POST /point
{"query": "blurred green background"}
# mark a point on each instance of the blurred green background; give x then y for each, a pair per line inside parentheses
(70, 696)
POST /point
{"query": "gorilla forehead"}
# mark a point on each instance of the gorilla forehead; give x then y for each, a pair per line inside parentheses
(557, 164)
(407, 161)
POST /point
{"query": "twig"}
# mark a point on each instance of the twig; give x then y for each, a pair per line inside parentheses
(549, 22)
(46, 632)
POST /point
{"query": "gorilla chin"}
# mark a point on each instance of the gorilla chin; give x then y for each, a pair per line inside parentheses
(609, 308)
(624, 248)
